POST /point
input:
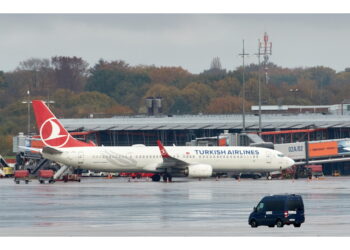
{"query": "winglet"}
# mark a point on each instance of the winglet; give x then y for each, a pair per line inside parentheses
(163, 152)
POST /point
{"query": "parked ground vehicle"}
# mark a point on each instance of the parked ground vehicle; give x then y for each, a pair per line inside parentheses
(8, 172)
(89, 173)
(46, 175)
(278, 210)
(136, 175)
(21, 175)
(71, 177)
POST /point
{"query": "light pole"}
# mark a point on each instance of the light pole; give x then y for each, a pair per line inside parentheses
(243, 87)
(28, 102)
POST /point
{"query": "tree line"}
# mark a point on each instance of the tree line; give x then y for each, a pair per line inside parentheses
(116, 88)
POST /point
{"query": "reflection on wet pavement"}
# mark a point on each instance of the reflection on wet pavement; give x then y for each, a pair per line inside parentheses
(116, 207)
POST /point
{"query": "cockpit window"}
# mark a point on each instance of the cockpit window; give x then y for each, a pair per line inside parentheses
(280, 155)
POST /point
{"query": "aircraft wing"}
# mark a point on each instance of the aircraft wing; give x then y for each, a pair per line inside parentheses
(169, 161)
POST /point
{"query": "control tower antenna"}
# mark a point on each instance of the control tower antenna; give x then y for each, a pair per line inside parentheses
(266, 52)
(263, 50)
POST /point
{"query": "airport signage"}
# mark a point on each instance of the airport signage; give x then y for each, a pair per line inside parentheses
(227, 152)
(296, 150)
(318, 149)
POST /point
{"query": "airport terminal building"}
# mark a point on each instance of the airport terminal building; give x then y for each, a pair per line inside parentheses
(276, 128)
(297, 135)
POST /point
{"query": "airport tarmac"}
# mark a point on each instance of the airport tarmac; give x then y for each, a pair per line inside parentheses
(185, 207)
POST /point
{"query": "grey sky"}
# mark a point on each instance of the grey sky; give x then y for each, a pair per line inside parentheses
(186, 40)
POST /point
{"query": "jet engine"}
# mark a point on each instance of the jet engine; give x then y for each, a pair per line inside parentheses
(199, 171)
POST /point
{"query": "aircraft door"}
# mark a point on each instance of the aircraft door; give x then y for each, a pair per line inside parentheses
(268, 157)
(80, 157)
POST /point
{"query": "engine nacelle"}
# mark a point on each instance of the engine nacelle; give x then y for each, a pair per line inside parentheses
(199, 171)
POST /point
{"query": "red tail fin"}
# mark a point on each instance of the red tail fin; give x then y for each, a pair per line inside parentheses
(52, 133)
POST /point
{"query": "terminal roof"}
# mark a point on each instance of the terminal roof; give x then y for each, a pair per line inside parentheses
(185, 122)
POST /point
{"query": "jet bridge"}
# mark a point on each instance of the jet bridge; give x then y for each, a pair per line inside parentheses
(317, 152)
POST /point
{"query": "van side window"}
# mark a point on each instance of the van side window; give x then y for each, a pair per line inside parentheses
(294, 205)
(275, 205)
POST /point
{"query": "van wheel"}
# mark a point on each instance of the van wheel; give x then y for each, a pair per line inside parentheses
(279, 223)
(297, 224)
(253, 223)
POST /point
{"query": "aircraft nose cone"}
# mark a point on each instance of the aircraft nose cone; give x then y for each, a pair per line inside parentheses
(291, 162)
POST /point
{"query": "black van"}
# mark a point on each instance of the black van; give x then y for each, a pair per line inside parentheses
(278, 210)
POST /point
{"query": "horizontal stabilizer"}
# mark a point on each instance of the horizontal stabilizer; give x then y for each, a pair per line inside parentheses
(51, 151)
(39, 150)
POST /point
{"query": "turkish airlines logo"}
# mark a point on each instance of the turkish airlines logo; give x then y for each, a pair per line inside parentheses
(52, 135)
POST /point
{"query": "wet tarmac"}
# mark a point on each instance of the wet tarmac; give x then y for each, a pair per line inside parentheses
(186, 207)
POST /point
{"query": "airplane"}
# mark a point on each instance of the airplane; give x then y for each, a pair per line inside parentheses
(173, 161)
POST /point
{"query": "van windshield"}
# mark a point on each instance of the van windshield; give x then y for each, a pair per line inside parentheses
(295, 204)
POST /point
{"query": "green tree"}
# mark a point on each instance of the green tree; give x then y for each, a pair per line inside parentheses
(198, 95)
(119, 81)
(226, 105)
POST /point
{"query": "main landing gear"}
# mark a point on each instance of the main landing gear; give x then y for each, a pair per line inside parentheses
(156, 177)
(268, 176)
(166, 177)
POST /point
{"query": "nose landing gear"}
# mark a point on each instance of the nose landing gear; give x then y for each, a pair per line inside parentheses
(167, 177)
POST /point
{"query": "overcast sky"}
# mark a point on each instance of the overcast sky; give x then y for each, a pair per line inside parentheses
(186, 40)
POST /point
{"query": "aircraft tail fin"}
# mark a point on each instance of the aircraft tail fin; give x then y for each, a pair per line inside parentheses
(51, 131)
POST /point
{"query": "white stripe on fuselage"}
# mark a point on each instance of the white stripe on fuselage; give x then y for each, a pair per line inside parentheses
(148, 158)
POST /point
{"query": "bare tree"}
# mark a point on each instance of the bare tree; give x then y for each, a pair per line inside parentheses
(38, 75)
(70, 72)
(215, 64)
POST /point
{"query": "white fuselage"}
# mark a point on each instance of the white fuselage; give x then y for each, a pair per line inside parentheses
(140, 158)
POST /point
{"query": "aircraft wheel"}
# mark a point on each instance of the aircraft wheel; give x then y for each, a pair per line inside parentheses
(156, 177)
